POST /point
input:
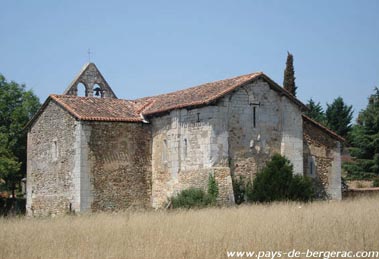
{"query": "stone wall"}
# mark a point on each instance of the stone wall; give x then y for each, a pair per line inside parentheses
(322, 160)
(261, 123)
(119, 162)
(50, 163)
(86, 166)
(238, 133)
(187, 146)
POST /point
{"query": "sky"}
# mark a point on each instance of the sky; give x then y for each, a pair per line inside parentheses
(145, 48)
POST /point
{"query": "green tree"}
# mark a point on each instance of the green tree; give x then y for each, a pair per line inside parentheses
(364, 138)
(289, 76)
(17, 106)
(338, 117)
(276, 182)
(315, 111)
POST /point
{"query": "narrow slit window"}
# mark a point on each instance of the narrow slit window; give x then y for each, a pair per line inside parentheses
(54, 150)
(185, 148)
(198, 117)
(311, 168)
(254, 116)
(164, 151)
(312, 165)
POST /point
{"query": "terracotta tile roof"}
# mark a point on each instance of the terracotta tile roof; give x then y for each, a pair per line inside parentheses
(99, 109)
(324, 128)
(112, 109)
(204, 94)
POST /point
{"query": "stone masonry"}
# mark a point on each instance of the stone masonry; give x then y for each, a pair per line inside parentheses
(50, 165)
(189, 144)
(99, 166)
(322, 160)
(99, 154)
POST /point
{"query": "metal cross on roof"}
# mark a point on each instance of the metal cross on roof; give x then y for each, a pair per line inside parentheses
(89, 55)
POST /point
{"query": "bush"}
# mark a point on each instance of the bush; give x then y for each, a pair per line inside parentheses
(212, 188)
(239, 189)
(12, 206)
(191, 198)
(301, 189)
(197, 198)
(276, 183)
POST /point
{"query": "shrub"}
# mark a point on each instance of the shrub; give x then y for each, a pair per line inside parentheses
(301, 188)
(197, 198)
(191, 198)
(212, 188)
(239, 189)
(12, 206)
(276, 182)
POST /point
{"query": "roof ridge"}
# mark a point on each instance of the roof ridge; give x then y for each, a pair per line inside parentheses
(199, 85)
(148, 104)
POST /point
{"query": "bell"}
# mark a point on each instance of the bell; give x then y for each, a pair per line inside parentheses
(97, 91)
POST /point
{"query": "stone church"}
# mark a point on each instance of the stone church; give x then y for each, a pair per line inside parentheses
(98, 152)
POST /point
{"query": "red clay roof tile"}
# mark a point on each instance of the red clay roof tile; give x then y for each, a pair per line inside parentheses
(111, 109)
(99, 109)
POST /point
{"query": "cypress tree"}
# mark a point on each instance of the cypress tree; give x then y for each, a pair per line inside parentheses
(289, 76)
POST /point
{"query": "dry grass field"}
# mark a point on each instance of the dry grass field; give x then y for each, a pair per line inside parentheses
(207, 233)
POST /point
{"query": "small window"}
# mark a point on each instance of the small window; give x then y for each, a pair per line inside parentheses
(254, 116)
(311, 166)
(198, 117)
(54, 150)
(185, 148)
(164, 151)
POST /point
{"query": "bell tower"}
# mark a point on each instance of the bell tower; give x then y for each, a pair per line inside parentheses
(93, 81)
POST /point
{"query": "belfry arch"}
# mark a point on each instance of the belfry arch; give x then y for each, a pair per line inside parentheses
(93, 81)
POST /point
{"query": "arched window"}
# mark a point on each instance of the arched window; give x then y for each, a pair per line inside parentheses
(81, 90)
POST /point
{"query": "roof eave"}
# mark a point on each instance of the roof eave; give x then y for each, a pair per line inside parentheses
(322, 127)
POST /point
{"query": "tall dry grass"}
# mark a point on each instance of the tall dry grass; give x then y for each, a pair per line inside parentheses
(207, 233)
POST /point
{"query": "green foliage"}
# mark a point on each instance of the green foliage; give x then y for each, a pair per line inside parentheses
(315, 111)
(301, 189)
(9, 165)
(191, 198)
(239, 189)
(276, 183)
(197, 198)
(289, 76)
(339, 116)
(212, 188)
(364, 139)
(12, 206)
(17, 106)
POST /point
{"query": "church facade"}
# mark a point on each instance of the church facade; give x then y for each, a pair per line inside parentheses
(97, 152)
